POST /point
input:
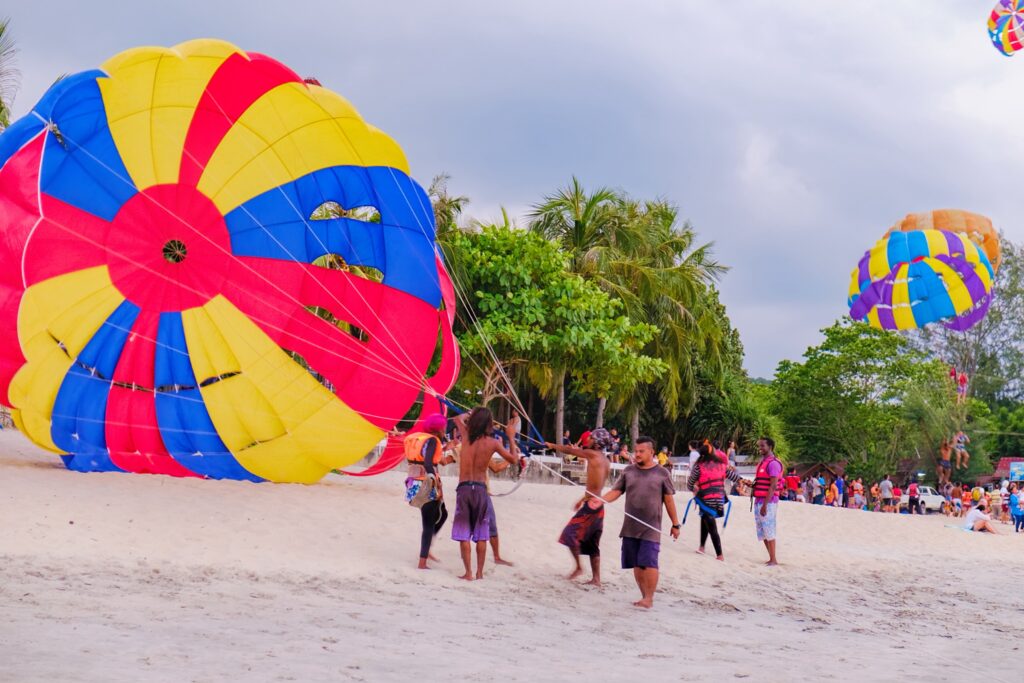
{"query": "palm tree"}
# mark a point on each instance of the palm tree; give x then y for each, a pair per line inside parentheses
(639, 253)
(8, 73)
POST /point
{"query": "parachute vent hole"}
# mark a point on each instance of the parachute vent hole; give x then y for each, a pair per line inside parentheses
(174, 251)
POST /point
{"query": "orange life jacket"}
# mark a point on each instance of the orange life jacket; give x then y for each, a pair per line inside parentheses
(415, 444)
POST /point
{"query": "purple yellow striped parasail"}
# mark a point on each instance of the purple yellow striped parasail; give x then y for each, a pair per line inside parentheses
(912, 279)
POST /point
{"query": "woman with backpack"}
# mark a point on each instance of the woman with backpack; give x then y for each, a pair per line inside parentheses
(424, 453)
(707, 481)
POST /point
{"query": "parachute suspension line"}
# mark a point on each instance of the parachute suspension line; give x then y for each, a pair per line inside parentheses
(227, 253)
(161, 275)
(460, 293)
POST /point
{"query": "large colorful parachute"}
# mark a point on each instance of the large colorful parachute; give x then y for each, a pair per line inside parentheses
(157, 262)
(1006, 26)
(911, 279)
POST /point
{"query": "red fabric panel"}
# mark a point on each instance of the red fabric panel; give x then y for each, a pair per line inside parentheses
(19, 212)
(133, 435)
(240, 81)
(381, 378)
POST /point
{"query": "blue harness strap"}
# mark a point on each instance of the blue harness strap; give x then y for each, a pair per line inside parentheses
(709, 511)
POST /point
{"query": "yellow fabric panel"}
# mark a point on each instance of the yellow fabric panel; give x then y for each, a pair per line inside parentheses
(66, 309)
(150, 97)
(901, 310)
(873, 318)
(984, 274)
(955, 287)
(208, 351)
(277, 420)
(289, 132)
(936, 242)
(854, 284)
(878, 264)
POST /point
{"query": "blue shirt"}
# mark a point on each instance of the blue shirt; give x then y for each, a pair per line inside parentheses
(1015, 505)
(840, 485)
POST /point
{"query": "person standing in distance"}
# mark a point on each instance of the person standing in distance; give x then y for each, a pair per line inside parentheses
(647, 488)
(766, 496)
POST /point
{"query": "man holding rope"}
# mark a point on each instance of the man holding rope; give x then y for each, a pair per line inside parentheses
(582, 535)
(472, 503)
(647, 488)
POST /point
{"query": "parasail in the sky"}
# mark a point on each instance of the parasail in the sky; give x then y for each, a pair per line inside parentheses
(1006, 26)
(911, 279)
(215, 269)
(973, 226)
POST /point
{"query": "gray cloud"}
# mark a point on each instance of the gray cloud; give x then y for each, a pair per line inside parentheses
(791, 134)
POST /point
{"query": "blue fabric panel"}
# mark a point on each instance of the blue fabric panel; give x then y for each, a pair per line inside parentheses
(187, 431)
(276, 225)
(26, 128)
(79, 412)
(927, 288)
(81, 165)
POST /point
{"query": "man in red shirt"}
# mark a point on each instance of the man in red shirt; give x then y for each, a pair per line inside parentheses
(792, 484)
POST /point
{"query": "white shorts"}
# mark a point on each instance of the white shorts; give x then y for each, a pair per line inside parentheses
(765, 525)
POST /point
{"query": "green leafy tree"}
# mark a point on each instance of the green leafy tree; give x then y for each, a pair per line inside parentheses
(638, 252)
(991, 352)
(865, 397)
(542, 323)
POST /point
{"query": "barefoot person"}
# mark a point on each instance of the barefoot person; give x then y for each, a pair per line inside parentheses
(582, 535)
(945, 464)
(424, 454)
(647, 488)
(707, 481)
(472, 521)
(766, 496)
(978, 519)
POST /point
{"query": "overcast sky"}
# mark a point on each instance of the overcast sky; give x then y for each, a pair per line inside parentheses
(791, 133)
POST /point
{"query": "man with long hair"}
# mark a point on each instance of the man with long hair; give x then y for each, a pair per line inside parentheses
(471, 522)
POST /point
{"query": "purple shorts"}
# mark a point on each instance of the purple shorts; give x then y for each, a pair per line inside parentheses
(638, 553)
(492, 519)
(472, 521)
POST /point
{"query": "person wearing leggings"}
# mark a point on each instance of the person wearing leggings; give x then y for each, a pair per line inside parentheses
(425, 454)
(707, 481)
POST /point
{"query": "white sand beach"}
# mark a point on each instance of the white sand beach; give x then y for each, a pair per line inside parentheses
(115, 577)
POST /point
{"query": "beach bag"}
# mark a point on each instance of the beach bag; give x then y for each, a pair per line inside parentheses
(425, 493)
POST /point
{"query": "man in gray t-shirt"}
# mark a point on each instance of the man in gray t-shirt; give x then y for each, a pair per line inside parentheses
(885, 489)
(647, 488)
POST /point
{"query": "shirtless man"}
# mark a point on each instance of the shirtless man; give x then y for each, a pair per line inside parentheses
(582, 535)
(945, 466)
(472, 521)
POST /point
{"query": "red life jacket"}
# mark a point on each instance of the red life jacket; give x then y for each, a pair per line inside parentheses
(711, 481)
(762, 479)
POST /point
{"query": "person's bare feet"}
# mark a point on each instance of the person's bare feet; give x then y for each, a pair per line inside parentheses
(467, 577)
(432, 558)
(771, 563)
(575, 574)
(646, 603)
(479, 576)
(700, 551)
(720, 558)
(504, 563)
(422, 564)
(594, 582)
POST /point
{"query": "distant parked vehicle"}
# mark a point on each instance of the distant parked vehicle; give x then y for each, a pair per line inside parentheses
(928, 500)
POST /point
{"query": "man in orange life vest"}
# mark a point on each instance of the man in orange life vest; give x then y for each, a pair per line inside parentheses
(766, 496)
